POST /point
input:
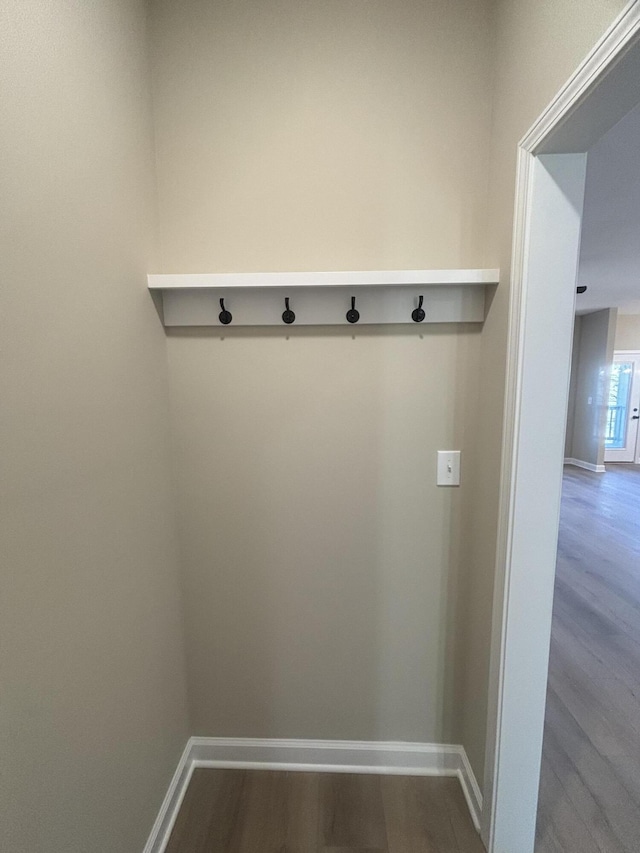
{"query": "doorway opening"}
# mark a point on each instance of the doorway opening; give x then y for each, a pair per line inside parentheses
(552, 162)
(589, 794)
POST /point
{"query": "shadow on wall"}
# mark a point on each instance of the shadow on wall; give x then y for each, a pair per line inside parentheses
(592, 357)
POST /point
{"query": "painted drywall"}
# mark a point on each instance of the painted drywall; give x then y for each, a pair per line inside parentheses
(537, 46)
(320, 136)
(324, 593)
(609, 256)
(321, 560)
(93, 712)
(590, 386)
(573, 384)
(628, 332)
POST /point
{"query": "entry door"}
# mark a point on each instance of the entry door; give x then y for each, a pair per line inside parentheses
(623, 414)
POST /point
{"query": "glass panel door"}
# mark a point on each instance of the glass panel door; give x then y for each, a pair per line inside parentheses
(617, 413)
(623, 411)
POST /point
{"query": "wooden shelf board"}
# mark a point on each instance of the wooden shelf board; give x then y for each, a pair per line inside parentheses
(371, 278)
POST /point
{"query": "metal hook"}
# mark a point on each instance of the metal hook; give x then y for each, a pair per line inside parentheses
(418, 315)
(581, 289)
(288, 316)
(353, 315)
(224, 316)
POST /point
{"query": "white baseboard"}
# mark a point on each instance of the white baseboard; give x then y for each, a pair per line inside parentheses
(319, 756)
(597, 469)
(161, 830)
(470, 788)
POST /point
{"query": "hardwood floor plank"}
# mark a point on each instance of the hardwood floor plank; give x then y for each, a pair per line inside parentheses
(412, 826)
(610, 733)
(235, 811)
(560, 825)
(590, 785)
(351, 812)
(465, 832)
(600, 635)
(601, 702)
(610, 599)
(210, 818)
(595, 653)
(576, 790)
(591, 757)
(280, 813)
(423, 816)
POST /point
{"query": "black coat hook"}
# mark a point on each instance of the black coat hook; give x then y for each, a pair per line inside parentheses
(288, 316)
(352, 315)
(581, 289)
(224, 316)
(418, 315)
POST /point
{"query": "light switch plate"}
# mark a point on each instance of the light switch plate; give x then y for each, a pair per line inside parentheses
(448, 468)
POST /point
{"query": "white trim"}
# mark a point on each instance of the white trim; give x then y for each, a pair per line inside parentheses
(579, 463)
(588, 74)
(470, 789)
(318, 756)
(548, 256)
(504, 543)
(323, 298)
(163, 824)
(370, 278)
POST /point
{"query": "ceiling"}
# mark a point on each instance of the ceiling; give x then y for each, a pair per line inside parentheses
(610, 247)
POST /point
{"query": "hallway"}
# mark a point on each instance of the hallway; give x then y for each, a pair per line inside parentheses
(590, 780)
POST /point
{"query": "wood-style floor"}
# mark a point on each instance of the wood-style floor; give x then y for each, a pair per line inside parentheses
(255, 811)
(590, 781)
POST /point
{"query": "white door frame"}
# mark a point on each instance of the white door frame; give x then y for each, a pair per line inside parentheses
(541, 317)
(614, 455)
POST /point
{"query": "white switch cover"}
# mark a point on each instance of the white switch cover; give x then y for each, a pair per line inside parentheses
(448, 468)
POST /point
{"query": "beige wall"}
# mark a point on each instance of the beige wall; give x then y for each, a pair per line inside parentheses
(322, 570)
(573, 384)
(321, 135)
(538, 43)
(328, 136)
(628, 332)
(92, 714)
(590, 375)
(321, 560)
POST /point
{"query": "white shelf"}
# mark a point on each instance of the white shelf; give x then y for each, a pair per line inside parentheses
(367, 278)
(323, 298)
